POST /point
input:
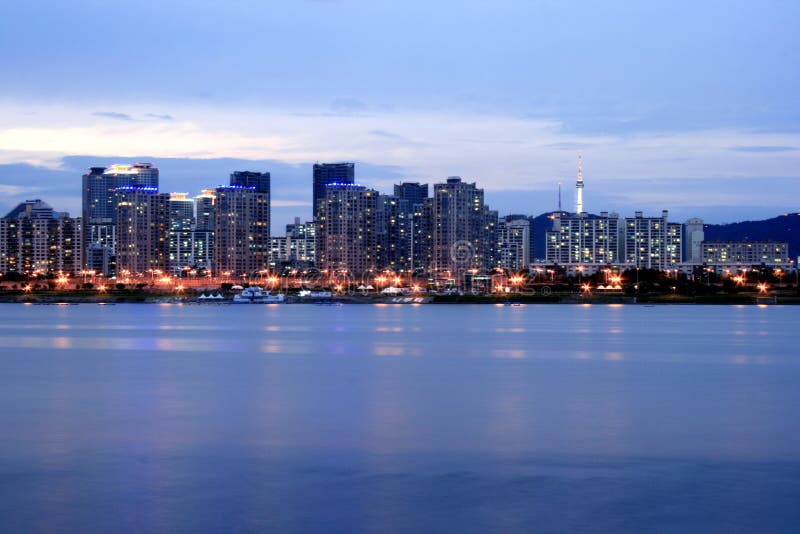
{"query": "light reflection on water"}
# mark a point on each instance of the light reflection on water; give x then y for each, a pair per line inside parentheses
(195, 418)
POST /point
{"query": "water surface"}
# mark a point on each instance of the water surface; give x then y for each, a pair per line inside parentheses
(399, 418)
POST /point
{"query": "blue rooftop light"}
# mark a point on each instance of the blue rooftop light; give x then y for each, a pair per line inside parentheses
(342, 184)
(144, 188)
(248, 187)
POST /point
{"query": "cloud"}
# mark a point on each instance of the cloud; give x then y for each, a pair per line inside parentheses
(113, 115)
(164, 117)
(14, 190)
(757, 148)
(500, 153)
(388, 135)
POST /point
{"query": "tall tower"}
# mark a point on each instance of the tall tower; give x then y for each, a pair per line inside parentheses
(579, 187)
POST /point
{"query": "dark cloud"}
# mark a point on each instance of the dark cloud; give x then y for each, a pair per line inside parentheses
(113, 115)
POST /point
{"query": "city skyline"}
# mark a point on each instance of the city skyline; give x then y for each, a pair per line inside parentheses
(294, 187)
(684, 105)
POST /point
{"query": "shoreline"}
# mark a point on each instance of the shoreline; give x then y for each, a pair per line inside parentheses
(514, 299)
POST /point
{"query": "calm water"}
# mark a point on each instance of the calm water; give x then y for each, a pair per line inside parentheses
(398, 418)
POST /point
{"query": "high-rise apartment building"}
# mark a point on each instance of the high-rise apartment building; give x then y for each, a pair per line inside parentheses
(181, 228)
(330, 173)
(745, 253)
(412, 192)
(142, 230)
(296, 249)
(693, 237)
(259, 181)
(460, 228)
(346, 229)
(203, 233)
(674, 244)
(301, 243)
(646, 241)
(513, 243)
(100, 185)
(241, 231)
(36, 239)
(584, 240)
(394, 230)
(421, 254)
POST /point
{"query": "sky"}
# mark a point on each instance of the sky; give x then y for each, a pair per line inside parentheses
(690, 106)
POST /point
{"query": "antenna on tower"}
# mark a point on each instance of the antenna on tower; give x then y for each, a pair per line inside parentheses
(579, 187)
(559, 196)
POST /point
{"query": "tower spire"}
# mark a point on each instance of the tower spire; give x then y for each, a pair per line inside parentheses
(579, 187)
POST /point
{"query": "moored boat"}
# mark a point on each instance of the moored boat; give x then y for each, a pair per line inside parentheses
(257, 295)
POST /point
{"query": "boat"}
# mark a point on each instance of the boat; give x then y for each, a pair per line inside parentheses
(257, 295)
(306, 293)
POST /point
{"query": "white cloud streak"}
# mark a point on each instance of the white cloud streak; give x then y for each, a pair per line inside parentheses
(500, 152)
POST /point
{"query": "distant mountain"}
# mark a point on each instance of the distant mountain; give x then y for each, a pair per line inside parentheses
(785, 227)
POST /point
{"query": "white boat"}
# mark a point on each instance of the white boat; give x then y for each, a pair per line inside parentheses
(305, 293)
(257, 295)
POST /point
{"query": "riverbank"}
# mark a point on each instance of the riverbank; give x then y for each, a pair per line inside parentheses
(132, 296)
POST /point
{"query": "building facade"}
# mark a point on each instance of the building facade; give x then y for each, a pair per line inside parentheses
(301, 243)
(142, 231)
(181, 229)
(347, 240)
(241, 231)
(513, 243)
(99, 198)
(329, 173)
(203, 233)
(693, 237)
(412, 192)
(646, 242)
(584, 240)
(34, 239)
(461, 228)
(394, 229)
(258, 181)
(674, 244)
(745, 253)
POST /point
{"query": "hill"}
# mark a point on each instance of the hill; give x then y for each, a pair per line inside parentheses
(785, 227)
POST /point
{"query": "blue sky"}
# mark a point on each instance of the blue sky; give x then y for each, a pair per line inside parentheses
(687, 106)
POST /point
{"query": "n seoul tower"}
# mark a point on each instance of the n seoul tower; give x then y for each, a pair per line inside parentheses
(579, 187)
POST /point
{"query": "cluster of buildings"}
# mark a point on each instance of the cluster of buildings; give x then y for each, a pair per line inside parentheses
(447, 231)
(584, 243)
